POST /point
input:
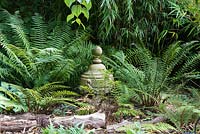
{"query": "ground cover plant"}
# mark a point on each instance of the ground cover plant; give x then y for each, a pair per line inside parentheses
(151, 46)
(78, 129)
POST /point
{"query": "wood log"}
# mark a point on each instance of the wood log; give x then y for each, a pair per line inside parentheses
(95, 120)
(110, 129)
(28, 120)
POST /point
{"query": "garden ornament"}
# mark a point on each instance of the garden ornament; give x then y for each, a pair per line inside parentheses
(97, 77)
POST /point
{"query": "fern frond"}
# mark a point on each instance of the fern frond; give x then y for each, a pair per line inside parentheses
(170, 53)
(48, 56)
(31, 95)
(19, 59)
(50, 101)
(61, 35)
(195, 94)
(64, 93)
(178, 56)
(63, 70)
(144, 84)
(148, 128)
(158, 127)
(182, 53)
(139, 56)
(82, 57)
(38, 32)
(50, 87)
(4, 15)
(18, 30)
(13, 68)
(4, 72)
(79, 37)
(190, 64)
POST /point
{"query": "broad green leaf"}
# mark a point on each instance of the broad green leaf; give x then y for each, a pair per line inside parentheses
(88, 1)
(87, 4)
(8, 104)
(69, 17)
(85, 12)
(76, 10)
(69, 2)
(78, 21)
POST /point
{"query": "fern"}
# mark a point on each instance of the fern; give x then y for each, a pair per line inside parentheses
(158, 128)
(44, 59)
(144, 85)
(19, 32)
(147, 128)
(61, 35)
(38, 100)
(154, 75)
(77, 129)
(82, 56)
(64, 70)
(190, 64)
(180, 113)
(38, 32)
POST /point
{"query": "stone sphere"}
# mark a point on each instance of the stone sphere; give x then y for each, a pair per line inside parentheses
(97, 51)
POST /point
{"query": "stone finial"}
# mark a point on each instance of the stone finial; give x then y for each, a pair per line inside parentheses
(95, 76)
(97, 52)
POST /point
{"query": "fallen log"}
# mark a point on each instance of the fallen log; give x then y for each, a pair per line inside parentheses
(112, 129)
(28, 120)
(95, 120)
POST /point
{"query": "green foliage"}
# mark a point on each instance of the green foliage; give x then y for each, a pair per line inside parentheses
(126, 111)
(138, 128)
(37, 56)
(38, 100)
(78, 7)
(142, 86)
(123, 23)
(64, 110)
(154, 75)
(11, 98)
(44, 98)
(77, 129)
(50, 10)
(85, 110)
(158, 128)
(40, 58)
(34, 54)
(181, 112)
(10, 104)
